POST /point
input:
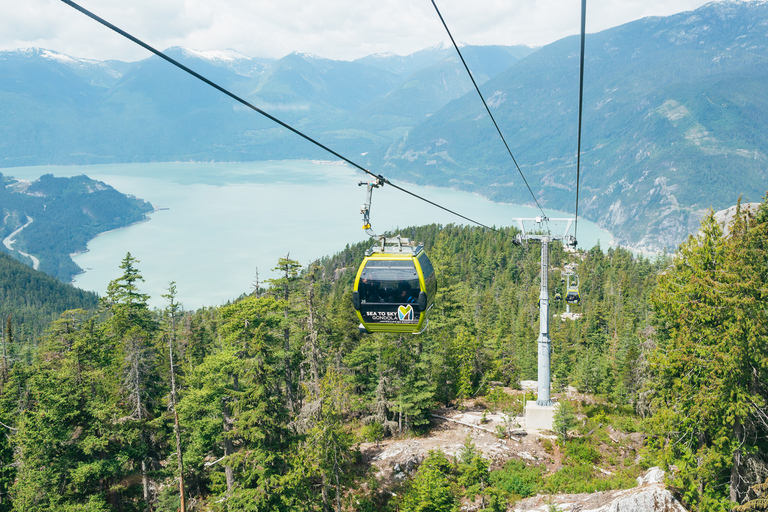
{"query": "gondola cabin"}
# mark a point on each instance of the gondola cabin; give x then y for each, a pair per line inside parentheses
(572, 297)
(395, 288)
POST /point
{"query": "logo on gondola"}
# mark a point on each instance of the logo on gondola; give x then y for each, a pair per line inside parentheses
(405, 312)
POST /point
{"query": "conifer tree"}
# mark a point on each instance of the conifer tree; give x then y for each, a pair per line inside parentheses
(710, 365)
(235, 411)
(72, 450)
(172, 311)
(283, 286)
(327, 449)
(758, 503)
(130, 322)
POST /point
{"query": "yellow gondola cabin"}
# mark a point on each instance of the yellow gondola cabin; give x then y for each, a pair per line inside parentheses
(394, 288)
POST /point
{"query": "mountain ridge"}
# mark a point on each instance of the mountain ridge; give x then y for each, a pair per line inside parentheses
(655, 116)
(674, 117)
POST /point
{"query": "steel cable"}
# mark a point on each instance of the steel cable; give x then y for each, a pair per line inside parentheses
(260, 111)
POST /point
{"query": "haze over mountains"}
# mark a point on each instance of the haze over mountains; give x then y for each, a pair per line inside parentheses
(675, 116)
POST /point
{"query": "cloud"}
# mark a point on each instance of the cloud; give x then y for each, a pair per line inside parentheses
(336, 29)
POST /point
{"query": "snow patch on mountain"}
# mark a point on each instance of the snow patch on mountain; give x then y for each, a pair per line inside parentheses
(308, 56)
(216, 56)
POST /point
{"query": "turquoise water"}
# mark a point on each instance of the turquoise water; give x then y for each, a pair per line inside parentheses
(218, 224)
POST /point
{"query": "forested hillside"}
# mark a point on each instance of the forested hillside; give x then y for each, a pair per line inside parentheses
(674, 124)
(31, 300)
(260, 404)
(51, 218)
(674, 116)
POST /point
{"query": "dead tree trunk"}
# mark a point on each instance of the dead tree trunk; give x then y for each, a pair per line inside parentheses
(176, 428)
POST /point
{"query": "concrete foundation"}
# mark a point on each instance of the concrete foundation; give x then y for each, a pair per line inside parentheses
(539, 416)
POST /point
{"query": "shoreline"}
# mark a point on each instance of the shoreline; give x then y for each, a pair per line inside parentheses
(322, 162)
(77, 253)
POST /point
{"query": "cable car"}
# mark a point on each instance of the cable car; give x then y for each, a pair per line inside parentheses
(394, 288)
(572, 297)
(558, 297)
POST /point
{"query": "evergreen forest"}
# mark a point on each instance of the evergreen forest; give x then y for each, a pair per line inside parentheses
(264, 403)
(58, 216)
(31, 300)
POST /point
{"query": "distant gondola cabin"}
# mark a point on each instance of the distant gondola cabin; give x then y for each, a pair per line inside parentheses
(394, 289)
(572, 297)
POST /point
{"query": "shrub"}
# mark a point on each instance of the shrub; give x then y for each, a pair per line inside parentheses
(500, 400)
(518, 479)
(431, 489)
(584, 478)
(373, 432)
(564, 420)
(579, 451)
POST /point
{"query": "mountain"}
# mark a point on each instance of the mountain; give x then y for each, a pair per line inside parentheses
(425, 91)
(405, 66)
(57, 109)
(674, 116)
(675, 122)
(47, 220)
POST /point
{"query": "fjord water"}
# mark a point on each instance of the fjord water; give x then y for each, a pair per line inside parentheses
(217, 224)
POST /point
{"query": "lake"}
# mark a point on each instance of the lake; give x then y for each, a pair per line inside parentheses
(218, 224)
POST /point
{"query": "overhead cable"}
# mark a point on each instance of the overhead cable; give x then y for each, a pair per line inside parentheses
(260, 111)
(581, 100)
(486, 107)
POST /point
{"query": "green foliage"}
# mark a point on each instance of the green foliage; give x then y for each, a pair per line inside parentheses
(168, 499)
(327, 452)
(472, 468)
(247, 444)
(713, 333)
(584, 478)
(431, 490)
(581, 451)
(373, 432)
(67, 213)
(759, 502)
(33, 299)
(500, 400)
(234, 409)
(74, 452)
(517, 479)
(564, 420)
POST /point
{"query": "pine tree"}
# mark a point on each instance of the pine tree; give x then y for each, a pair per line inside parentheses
(431, 489)
(73, 450)
(172, 311)
(758, 503)
(283, 286)
(327, 449)
(710, 365)
(235, 412)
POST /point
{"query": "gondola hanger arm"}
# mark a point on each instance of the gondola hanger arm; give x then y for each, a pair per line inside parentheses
(366, 209)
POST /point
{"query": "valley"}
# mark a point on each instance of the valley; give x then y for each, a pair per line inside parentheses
(673, 125)
(217, 362)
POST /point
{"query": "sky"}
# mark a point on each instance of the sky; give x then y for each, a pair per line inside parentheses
(334, 29)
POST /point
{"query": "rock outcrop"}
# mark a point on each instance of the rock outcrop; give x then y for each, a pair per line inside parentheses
(725, 217)
(650, 495)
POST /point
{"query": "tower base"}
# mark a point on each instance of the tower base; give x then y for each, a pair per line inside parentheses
(539, 416)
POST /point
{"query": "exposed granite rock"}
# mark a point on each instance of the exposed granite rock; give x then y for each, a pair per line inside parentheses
(725, 217)
(650, 495)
